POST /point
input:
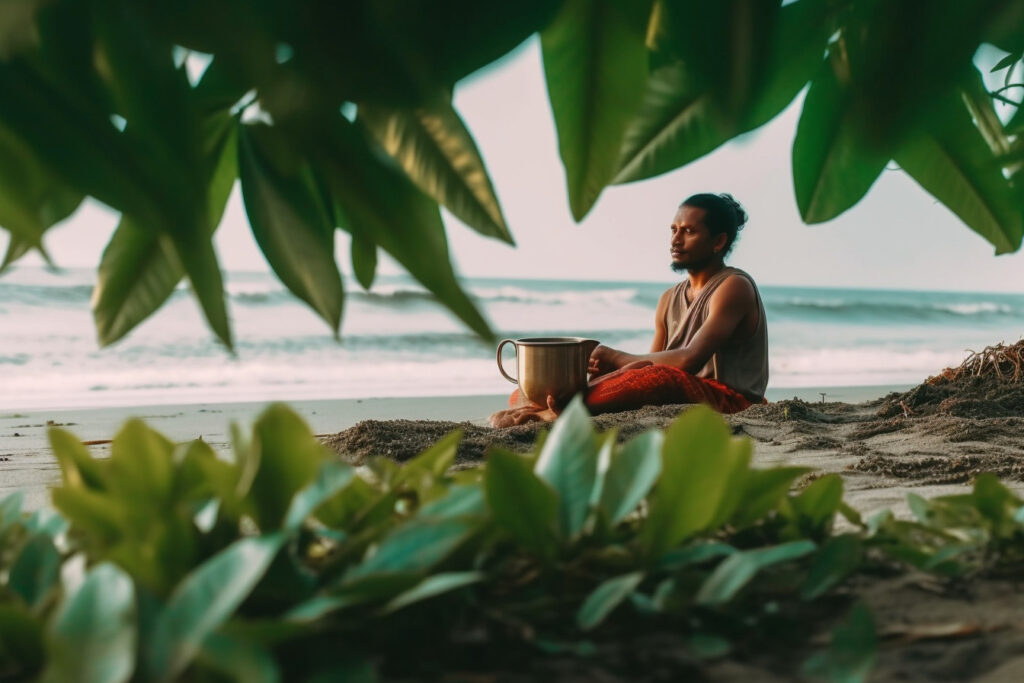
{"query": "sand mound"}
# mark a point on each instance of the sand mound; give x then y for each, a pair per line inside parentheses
(987, 384)
(402, 440)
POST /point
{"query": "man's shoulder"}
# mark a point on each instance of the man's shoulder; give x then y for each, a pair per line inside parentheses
(737, 286)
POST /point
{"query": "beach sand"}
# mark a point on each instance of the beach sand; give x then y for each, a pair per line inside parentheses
(883, 441)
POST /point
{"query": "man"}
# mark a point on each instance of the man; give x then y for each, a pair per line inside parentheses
(710, 333)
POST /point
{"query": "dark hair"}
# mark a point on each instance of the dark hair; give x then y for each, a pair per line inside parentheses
(723, 215)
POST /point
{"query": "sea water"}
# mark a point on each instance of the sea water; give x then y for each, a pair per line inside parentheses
(396, 340)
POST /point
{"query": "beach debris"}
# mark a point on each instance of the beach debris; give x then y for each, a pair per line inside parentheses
(1005, 362)
(909, 633)
(906, 410)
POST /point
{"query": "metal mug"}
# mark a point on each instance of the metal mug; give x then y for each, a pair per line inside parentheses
(549, 366)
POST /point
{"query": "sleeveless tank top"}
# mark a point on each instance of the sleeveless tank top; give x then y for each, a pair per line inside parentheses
(742, 362)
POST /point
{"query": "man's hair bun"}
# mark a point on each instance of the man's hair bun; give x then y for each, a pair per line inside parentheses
(723, 214)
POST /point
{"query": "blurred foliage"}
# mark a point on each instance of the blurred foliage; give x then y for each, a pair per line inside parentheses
(277, 562)
(338, 115)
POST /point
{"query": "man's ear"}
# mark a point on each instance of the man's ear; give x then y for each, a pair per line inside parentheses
(720, 241)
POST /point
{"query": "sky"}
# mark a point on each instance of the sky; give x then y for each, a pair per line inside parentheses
(897, 237)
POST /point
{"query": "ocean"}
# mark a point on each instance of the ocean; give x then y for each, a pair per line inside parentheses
(397, 341)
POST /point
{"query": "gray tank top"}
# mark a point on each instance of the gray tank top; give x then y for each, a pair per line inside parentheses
(742, 363)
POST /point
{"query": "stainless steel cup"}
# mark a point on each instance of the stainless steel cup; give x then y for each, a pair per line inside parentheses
(549, 366)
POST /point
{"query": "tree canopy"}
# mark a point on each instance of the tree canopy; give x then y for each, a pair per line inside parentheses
(339, 115)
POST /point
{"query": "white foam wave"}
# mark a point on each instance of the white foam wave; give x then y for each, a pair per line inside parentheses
(857, 366)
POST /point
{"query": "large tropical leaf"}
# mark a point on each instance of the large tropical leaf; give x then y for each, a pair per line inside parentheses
(595, 63)
(833, 168)
(455, 38)
(79, 144)
(380, 205)
(950, 157)
(290, 220)
(166, 130)
(437, 151)
(31, 199)
(93, 636)
(728, 55)
(522, 505)
(699, 458)
(16, 248)
(140, 268)
(892, 95)
(568, 463)
(678, 120)
(203, 601)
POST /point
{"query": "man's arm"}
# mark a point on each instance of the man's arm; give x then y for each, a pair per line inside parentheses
(660, 315)
(729, 307)
(602, 362)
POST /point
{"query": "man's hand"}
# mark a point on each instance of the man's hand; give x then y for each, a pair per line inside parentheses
(524, 414)
(605, 359)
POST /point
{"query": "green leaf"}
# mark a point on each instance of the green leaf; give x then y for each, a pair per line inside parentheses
(833, 167)
(355, 591)
(203, 601)
(242, 660)
(142, 469)
(694, 554)
(950, 158)
(36, 570)
(521, 503)
(430, 465)
(738, 569)
(697, 459)
(437, 151)
(817, 505)
(219, 88)
(138, 272)
(92, 635)
(10, 510)
(415, 547)
(851, 655)
(364, 260)
(22, 652)
(632, 473)
(156, 100)
(1005, 62)
(16, 248)
(431, 587)
(605, 598)
(837, 559)
(74, 138)
(290, 220)
(678, 120)
(140, 267)
(462, 500)
(763, 490)
(380, 205)
(595, 63)
(332, 478)
(97, 514)
(31, 198)
(289, 459)
(568, 463)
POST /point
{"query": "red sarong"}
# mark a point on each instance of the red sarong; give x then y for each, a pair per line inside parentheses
(654, 385)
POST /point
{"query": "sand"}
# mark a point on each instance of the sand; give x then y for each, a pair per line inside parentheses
(932, 439)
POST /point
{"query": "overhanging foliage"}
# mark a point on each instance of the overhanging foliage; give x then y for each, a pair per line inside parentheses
(97, 101)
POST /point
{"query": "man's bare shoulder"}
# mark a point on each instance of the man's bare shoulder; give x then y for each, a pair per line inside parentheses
(736, 290)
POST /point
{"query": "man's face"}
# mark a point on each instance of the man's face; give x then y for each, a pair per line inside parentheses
(693, 248)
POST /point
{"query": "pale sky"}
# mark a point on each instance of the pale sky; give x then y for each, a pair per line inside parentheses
(896, 237)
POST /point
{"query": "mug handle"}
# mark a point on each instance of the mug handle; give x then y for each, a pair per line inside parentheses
(500, 367)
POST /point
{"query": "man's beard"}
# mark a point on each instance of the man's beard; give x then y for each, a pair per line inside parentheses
(680, 267)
